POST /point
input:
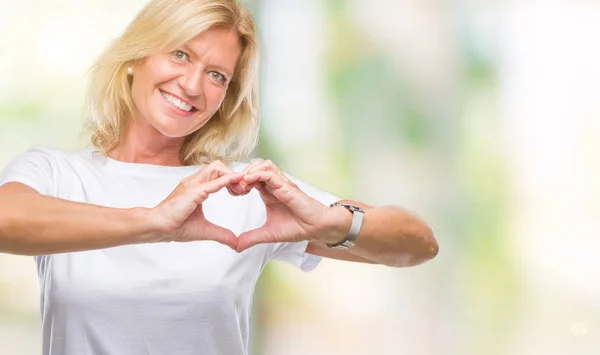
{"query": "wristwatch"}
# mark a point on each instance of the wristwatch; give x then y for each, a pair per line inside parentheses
(357, 219)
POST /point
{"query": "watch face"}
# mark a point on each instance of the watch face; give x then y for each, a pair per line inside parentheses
(357, 209)
(350, 207)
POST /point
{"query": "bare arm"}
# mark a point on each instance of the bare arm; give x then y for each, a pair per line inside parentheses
(389, 236)
(33, 224)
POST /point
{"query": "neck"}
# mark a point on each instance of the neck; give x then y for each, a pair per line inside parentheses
(146, 145)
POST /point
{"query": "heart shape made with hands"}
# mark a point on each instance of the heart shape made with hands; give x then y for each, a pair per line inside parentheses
(292, 216)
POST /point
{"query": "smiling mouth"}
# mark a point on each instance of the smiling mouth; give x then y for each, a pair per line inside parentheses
(177, 103)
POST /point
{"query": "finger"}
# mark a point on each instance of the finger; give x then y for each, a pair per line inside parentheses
(212, 171)
(236, 189)
(225, 180)
(262, 165)
(220, 235)
(268, 177)
(286, 192)
(254, 162)
(254, 237)
(218, 169)
(244, 188)
(268, 165)
(215, 185)
(249, 187)
(239, 189)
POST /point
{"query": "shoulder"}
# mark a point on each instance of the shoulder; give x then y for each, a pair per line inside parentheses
(46, 161)
(53, 154)
(35, 168)
(35, 158)
(37, 152)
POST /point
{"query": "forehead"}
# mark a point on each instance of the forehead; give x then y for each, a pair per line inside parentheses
(218, 46)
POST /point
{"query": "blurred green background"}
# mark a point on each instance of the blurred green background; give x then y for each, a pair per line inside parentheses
(483, 117)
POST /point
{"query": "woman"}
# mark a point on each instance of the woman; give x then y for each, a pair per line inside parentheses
(174, 105)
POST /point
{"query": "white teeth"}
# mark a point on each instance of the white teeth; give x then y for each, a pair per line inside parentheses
(176, 102)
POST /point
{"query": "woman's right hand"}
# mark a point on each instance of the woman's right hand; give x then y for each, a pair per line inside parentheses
(180, 217)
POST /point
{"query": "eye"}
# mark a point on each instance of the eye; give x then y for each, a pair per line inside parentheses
(181, 55)
(218, 76)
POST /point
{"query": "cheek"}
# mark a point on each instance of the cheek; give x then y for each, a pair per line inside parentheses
(146, 77)
(214, 97)
(136, 94)
(139, 91)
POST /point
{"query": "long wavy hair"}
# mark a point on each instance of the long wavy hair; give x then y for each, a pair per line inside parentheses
(164, 25)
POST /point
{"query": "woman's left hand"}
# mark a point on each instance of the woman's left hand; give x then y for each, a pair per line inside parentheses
(292, 215)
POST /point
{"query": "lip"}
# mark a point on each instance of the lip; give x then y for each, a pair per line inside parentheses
(176, 110)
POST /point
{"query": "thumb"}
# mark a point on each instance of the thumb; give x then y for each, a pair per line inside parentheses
(253, 237)
(219, 234)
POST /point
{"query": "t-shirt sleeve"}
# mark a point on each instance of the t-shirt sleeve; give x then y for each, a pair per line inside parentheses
(32, 168)
(295, 253)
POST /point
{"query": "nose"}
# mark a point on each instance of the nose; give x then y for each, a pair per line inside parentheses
(191, 81)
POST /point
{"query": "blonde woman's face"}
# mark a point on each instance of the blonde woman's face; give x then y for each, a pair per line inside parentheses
(178, 92)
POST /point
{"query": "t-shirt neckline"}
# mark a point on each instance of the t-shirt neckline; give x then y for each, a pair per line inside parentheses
(139, 168)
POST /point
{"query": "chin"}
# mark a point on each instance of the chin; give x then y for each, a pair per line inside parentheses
(172, 132)
(175, 128)
(169, 129)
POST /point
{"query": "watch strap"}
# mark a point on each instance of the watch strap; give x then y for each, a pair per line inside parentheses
(357, 220)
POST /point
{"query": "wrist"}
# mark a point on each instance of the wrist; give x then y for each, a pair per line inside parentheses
(338, 225)
(357, 219)
(145, 228)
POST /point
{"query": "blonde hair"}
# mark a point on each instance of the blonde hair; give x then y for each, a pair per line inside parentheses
(163, 25)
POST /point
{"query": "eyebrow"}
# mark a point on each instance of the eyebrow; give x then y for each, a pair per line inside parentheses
(218, 67)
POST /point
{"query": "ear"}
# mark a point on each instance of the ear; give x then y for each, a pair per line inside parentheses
(133, 64)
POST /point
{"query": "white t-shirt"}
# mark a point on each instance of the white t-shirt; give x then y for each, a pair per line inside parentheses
(150, 299)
